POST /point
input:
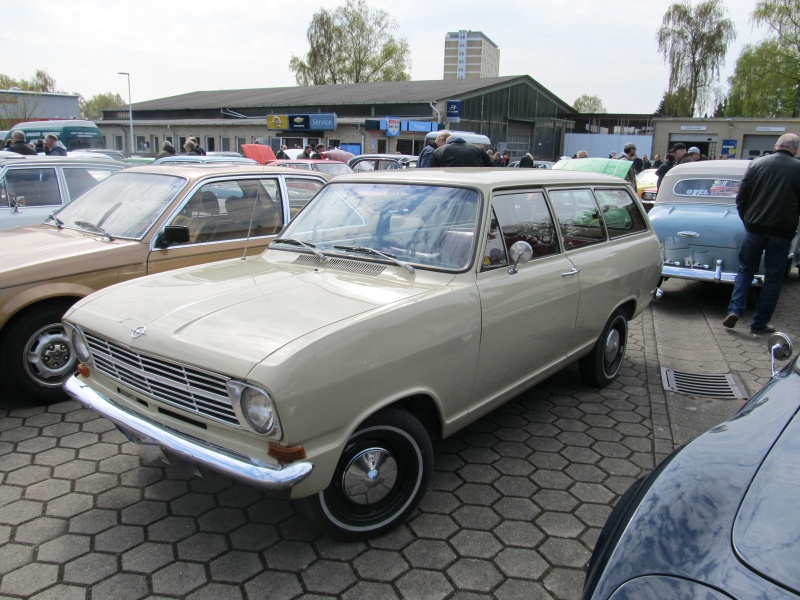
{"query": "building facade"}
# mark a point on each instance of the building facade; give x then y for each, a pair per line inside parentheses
(17, 106)
(515, 112)
(470, 55)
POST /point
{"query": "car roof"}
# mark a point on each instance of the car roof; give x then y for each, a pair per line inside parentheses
(483, 177)
(13, 157)
(303, 161)
(386, 155)
(710, 168)
(203, 170)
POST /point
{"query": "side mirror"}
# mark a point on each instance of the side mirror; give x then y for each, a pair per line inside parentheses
(520, 252)
(780, 348)
(173, 234)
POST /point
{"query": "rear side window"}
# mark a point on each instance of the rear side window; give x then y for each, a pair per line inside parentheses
(578, 218)
(39, 186)
(520, 217)
(300, 191)
(82, 179)
(620, 213)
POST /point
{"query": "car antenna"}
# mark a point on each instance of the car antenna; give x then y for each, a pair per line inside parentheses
(252, 215)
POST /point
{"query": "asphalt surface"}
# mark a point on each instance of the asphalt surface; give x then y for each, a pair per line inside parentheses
(516, 502)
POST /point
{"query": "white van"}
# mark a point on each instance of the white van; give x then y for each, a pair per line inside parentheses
(469, 137)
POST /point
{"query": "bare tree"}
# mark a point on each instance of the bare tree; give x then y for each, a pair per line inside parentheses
(693, 42)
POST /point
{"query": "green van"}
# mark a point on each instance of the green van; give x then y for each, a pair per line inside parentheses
(74, 134)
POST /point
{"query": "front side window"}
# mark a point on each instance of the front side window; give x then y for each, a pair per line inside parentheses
(233, 209)
(620, 213)
(578, 218)
(428, 226)
(38, 186)
(520, 217)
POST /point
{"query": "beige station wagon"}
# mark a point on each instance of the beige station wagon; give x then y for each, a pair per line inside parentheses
(136, 222)
(396, 308)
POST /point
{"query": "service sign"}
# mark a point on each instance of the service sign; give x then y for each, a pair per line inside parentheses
(277, 122)
(323, 121)
(392, 126)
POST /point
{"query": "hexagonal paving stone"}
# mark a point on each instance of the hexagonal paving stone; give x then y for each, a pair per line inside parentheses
(560, 525)
(90, 568)
(429, 554)
(40, 530)
(216, 591)
(473, 574)
(475, 544)
(69, 505)
(144, 513)
(93, 521)
(121, 585)
(434, 526)
(367, 590)
(171, 529)
(20, 511)
(28, 475)
(379, 565)
(253, 536)
(281, 586)
(235, 566)
(147, 557)
(289, 556)
(222, 520)
(61, 592)
(519, 533)
(476, 517)
(64, 548)
(118, 539)
(565, 553)
(424, 585)
(14, 556)
(179, 578)
(29, 579)
(48, 490)
(521, 563)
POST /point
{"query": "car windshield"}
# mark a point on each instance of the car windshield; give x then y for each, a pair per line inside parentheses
(708, 190)
(123, 206)
(333, 168)
(425, 226)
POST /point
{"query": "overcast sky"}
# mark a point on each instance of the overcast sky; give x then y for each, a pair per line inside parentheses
(170, 47)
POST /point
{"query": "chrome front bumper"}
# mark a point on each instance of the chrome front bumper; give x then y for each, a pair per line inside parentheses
(703, 275)
(275, 478)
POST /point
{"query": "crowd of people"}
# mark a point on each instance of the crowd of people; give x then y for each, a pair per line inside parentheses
(50, 145)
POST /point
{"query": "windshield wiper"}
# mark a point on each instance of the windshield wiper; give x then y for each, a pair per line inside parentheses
(307, 245)
(367, 250)
(59, 223)
(95, 228)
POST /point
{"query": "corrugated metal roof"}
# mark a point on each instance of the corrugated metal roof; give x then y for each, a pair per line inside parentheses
(393, 92)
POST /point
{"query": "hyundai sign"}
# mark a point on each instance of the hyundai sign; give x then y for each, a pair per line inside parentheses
(454, 111)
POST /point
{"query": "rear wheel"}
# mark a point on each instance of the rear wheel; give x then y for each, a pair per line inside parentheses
(381, 476)
(601, 366)
(36, 356)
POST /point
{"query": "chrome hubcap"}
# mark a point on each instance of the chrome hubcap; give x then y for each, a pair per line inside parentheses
(48, 355)
(370, 476)
(612, 346)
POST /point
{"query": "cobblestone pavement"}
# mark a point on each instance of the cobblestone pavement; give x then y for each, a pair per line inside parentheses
(515, 506)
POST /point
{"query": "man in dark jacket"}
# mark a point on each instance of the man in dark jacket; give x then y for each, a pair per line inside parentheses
(458, 153)
(769, 206)
(19, 145)
(426, 156)
(52, 147)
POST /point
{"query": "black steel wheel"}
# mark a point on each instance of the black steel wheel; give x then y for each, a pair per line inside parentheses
(380, 478)
(601, 366)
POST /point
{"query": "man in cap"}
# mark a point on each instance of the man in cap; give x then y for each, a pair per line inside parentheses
(19, 145)
(629, 153)
(768, 203)
(678, 151)
(692, 155)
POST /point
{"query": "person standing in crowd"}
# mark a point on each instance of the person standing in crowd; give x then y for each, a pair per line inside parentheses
(678, 151)
(19, 145)
(613, 155)
(167, 149)
(669, 162)
(526, 162)
(307, 152)
(768, 203)
(646, 164)
(317, 155)
(657, 162)
(629, 153)
(692, 155)
(458, 153)
(581, 154)
(197, 147)
(426, 156)
(52, 147)
(281, 155)
(191, 148)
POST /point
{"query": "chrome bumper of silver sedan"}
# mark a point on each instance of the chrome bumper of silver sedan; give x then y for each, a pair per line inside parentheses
(703, 275)
(274, 478)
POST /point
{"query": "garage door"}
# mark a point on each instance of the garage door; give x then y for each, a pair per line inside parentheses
(758, 145)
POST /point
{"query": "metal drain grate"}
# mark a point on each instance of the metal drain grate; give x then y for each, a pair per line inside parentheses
(728, 387)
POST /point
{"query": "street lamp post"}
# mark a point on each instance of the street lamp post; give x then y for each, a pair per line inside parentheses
(130, 112)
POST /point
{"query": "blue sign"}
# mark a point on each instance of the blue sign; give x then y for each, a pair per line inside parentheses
(454, 111)
(729, 148)
(323, 122)
(420, 126)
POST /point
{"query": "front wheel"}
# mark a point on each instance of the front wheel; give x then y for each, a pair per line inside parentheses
(601, 366)
(36, 356)
(381, 477)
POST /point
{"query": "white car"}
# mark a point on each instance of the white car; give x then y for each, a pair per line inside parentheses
(396, 308)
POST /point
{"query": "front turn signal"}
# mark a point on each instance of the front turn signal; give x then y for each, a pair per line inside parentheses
(286, 454)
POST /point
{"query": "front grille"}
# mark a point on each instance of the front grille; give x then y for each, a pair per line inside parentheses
(191, 389)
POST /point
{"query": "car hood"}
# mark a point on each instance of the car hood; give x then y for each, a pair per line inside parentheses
(229, 316)
(766, 532)
(705, 225)
(42, 252)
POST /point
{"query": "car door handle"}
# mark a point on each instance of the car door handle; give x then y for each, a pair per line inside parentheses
(572, 271)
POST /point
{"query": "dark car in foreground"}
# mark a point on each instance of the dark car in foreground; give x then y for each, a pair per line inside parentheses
(718, 519)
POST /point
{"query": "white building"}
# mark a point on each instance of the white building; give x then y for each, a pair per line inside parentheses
(470, 55)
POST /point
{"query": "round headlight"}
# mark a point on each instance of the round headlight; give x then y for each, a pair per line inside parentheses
(257, 409)
(648, 196)
(79, 345)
